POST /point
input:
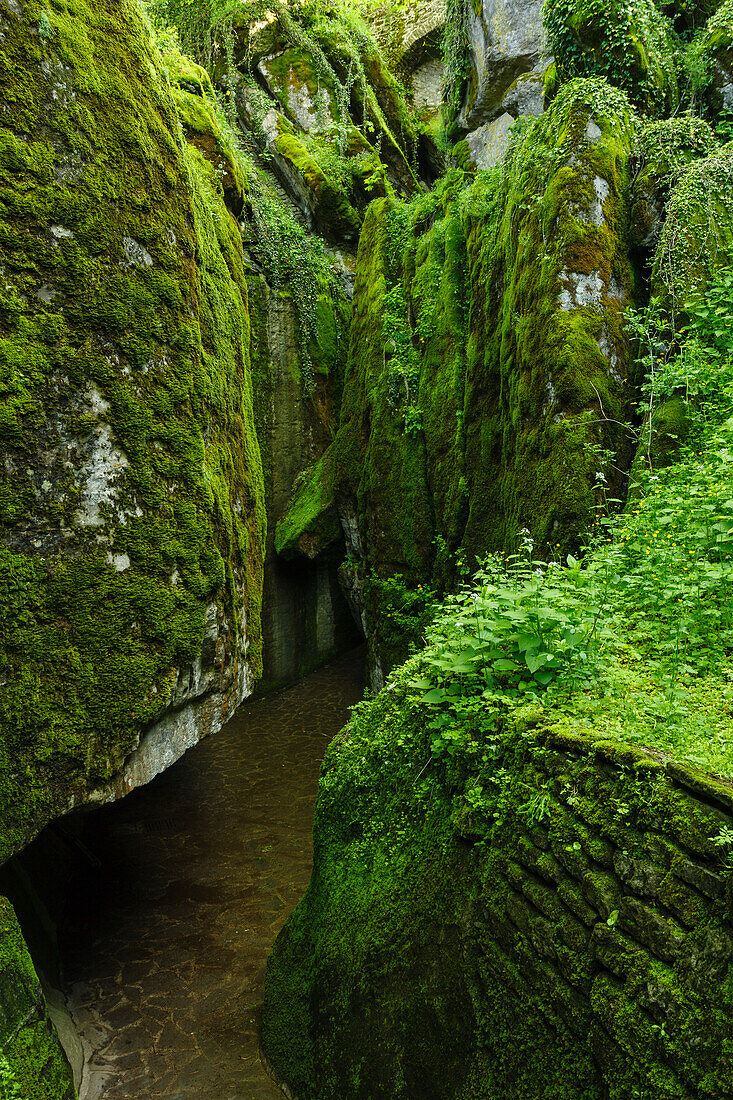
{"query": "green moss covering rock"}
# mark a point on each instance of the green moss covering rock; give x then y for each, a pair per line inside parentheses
(551, 276)
(33, 1065)
(204, 125)
(487, 379)
(714, 47)
(331, 212)
(311, 523)
(131, 511)
(698, 229)
(664, 150)
(333, 121)
(504, 46)
(570, 938)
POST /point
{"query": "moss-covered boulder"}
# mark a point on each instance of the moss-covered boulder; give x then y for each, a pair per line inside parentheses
(627, 41)
(664, 150)
(550, 278)
(570, 939)
(333, 122)
(131, 512)
(33, 1065)
(698, 229)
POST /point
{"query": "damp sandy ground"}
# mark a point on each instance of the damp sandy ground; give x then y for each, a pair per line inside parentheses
(165, 958)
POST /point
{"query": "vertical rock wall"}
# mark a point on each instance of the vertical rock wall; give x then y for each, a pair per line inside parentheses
(131, 495)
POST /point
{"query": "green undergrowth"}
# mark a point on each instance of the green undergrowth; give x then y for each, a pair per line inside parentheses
(633, 641)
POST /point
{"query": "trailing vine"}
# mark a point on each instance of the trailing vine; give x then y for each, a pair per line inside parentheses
(699, 211)
(456, 58)
(627, 41)
(218, 35)
(668, 145)
(292, 259)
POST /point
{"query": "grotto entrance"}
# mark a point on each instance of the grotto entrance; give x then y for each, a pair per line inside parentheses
(175, 894)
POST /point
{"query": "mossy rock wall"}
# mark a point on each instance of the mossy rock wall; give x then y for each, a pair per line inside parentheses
(504, 42)
(488, 374)
(573, 939)
(305, 617)
(33, 1065)
(131, 496)
(317, 98)
(548, 361)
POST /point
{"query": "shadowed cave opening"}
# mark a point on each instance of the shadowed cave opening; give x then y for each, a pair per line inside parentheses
(150, 919)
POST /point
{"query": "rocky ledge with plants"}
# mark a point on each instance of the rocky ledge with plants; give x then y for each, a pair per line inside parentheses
(523, 877)
(523, 880)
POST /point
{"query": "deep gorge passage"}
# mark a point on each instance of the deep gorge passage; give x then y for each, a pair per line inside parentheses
(166, 957)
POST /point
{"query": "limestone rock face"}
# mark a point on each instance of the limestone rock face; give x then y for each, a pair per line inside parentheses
(131, 499)
(488, 144)
(331, 119)
(507, 43)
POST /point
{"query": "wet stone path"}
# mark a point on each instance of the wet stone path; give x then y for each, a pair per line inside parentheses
(164, 958)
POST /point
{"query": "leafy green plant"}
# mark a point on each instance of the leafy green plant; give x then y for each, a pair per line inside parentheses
(9, 1089)
(635, 637)
(518, 627)
(638, 51)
